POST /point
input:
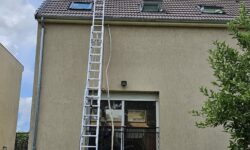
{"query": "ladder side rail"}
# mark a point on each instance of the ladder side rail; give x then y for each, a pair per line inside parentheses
(84, 111)
(93, 14)
(100, 75)
(99, 88)
(99, 92)
(103, 15)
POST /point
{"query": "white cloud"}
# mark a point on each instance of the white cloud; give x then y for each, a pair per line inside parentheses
(18, 26)
(24, 114)
(18, 34)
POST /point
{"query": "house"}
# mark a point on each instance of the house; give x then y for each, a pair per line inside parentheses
(10, 84)
(159, 57)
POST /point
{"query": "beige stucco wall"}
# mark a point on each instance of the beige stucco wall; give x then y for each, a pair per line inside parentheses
(10, 82)
(171, 60)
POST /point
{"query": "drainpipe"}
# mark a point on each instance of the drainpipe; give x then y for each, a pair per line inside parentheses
(38, 87)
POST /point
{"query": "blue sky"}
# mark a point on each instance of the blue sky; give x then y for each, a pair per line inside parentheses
(18, 35)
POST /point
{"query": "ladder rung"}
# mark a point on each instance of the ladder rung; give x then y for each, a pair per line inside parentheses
(93, 78)
(90, 115)
(99, 39)
(95, 62)
(87, 146)
(96, 46)
(89, 135)
(94, 70)
(98, 18)
(96, 40)
(92, 96)
(94, 54)
(97, 32)
(93, 88)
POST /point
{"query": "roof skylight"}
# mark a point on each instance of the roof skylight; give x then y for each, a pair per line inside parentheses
(211, 9)
(81, 5)
(151, 5)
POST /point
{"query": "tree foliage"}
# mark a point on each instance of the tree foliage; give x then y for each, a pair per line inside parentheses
(228, 103)
(21, 141)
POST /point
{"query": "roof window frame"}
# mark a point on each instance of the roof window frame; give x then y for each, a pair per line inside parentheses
(208, 9)
(151, 3)
(71, 6)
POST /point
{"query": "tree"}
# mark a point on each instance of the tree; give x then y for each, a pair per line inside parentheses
(228, 103)
(21, 141)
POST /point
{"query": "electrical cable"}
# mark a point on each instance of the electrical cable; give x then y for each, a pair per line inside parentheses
(108, 94)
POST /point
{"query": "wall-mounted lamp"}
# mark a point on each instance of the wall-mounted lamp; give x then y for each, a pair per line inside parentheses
(4, 147)
(124, 83)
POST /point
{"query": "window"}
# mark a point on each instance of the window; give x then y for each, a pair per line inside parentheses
(135, 125)
(151, 5)
(81, 6)
(211, 9)
(136, 121)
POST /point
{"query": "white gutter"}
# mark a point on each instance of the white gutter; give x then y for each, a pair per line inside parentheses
(140, 23)
(38, 87)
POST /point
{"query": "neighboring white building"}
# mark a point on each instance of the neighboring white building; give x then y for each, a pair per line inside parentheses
(10, 84)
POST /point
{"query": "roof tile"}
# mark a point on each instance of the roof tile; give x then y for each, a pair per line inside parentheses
(174, 10)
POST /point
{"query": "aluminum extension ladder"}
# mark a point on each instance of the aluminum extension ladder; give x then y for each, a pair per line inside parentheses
(92, 96)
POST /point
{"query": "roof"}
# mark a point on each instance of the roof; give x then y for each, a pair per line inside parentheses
(174, 10)
(6, 51)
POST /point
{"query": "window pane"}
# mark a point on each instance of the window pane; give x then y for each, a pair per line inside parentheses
(116, 107)
(211, 9)
(140, 114)
(150, 7)
(81, 6)
(105, 130)
(140, 122)
(139, 138)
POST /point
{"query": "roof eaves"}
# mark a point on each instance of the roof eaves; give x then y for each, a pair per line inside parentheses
(129, 19)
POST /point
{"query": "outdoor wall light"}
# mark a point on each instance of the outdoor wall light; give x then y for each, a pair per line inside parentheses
(4, 147)
(124, 83)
